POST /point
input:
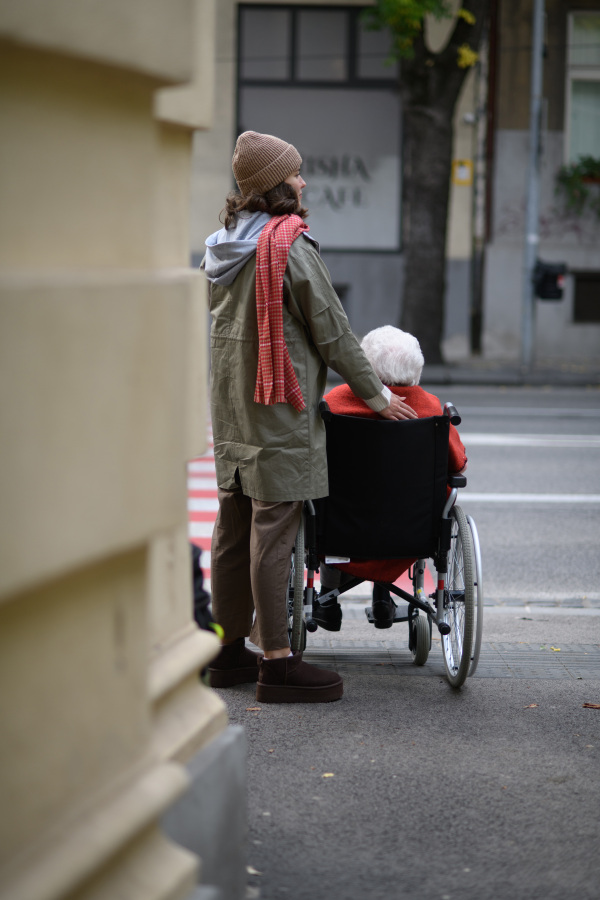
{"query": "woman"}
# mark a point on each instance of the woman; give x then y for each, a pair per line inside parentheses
(397, 359)
(276, 326)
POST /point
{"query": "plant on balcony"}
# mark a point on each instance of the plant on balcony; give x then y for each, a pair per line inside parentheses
(579, 185)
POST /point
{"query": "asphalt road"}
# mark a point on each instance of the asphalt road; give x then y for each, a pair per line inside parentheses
(407, 788)
(534, 489)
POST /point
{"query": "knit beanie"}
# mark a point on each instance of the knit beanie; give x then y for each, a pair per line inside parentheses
(260, 161)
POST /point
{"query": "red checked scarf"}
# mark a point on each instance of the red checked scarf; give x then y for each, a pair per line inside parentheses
(276, 380)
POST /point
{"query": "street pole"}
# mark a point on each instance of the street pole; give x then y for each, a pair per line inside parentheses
(479, 195)
(533, 183)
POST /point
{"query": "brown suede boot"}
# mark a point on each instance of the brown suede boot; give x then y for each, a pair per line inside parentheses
(290, 680)
(235, 664)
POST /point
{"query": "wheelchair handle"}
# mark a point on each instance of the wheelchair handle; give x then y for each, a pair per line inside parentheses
(326, 413)
(451, 411)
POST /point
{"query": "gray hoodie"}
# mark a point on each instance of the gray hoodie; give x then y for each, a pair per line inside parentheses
(227, 252)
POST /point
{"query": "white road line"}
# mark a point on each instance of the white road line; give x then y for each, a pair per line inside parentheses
(201, 529)
(203, 504)
(516, 606)
(200, 466)
(202, 484)
(528, 498)
(531, 412)
(548, 441)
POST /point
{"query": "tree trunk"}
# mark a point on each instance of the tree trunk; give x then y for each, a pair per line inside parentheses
(430, 84)
(426, 187)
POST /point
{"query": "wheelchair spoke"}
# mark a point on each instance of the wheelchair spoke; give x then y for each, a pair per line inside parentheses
(458, 601)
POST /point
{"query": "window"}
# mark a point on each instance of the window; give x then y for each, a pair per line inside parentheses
(583, 86)
(307, 44)
(264, 42)
(314, 76)
(586, 304)
(322, 45)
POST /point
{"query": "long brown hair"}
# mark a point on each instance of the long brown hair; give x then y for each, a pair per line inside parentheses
(281, 200)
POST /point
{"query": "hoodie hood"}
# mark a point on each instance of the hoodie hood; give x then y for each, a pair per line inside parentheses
(227, 252)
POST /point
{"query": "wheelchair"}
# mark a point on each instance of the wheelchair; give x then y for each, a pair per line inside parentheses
(391, 497)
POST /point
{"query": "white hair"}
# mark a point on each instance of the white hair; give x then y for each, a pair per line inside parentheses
(395, 355)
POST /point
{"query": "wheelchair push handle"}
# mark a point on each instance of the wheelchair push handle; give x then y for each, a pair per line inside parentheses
(451, 411)
(326, 413)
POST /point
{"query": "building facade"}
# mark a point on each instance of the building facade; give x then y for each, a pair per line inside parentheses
(567, 331)
(314, 75)
(311, 73)
(106, 726)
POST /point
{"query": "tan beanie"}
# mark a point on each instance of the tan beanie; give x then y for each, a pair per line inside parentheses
(260, 161)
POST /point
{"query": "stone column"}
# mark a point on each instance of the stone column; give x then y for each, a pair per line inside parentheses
(102, 402)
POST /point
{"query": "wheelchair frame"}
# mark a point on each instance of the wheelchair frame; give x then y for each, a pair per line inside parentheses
(456, 605)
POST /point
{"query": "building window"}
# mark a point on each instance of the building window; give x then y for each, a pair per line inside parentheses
(264, 45)
(322, 45)
(307, 44)
(586, 303)
(314, 76)
(583, 86)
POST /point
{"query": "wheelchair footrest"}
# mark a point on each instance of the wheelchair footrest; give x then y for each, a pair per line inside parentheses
(397, 617)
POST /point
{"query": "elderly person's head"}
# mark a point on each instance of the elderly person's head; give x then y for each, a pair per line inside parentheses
(395, 355)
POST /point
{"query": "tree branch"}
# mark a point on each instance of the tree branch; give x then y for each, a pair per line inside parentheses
(465, 33)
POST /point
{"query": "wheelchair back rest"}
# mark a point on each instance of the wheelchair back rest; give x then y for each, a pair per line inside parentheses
(387, 487)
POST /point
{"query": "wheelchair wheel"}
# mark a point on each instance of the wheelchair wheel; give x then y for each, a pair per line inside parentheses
(478, 605)
(420, 639)
(297, 626)
(459, 601)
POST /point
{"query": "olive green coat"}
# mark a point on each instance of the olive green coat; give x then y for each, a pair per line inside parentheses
(279, 452)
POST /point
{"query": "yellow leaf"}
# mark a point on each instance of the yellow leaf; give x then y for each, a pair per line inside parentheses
(327, 775)
(556, 649)
(466, 57)
(467, 16)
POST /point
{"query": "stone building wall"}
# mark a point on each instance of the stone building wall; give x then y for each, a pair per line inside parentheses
(102, 402)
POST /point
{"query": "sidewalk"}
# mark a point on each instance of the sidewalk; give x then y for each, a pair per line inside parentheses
(408, 789)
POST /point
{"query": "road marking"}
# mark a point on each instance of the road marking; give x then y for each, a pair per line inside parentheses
(202, 484)
(202, 467)
(533, 412)
(529, 498)
(201, 529)
(549, 441)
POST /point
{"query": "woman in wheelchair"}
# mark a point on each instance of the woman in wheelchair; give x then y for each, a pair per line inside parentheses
(397, 359)
(277, 324)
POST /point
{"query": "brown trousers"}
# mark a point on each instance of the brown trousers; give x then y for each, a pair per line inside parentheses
(250, 567)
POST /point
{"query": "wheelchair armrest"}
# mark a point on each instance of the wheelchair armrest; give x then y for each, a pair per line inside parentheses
(326, 413)
(451, 411)
(457, 481)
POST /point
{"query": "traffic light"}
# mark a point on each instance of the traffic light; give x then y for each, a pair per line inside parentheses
(549, 280)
